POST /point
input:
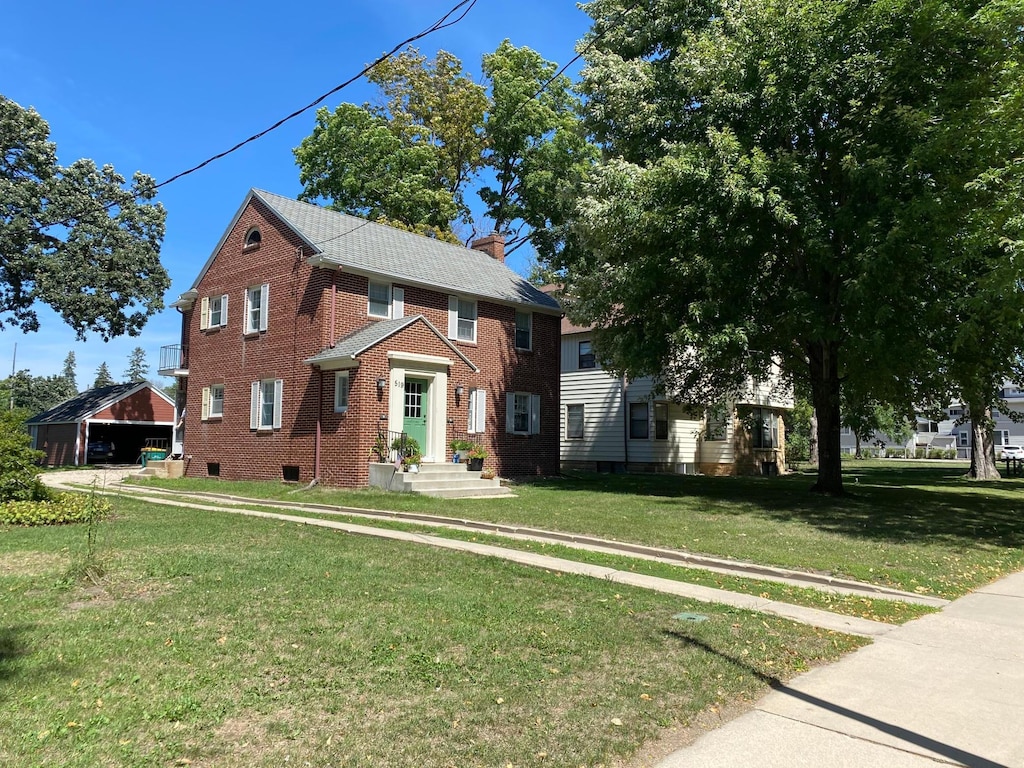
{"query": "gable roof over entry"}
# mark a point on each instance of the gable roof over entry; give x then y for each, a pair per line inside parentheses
(339, 241)
(344, 353)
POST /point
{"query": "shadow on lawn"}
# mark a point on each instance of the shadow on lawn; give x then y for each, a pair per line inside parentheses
(900, 503)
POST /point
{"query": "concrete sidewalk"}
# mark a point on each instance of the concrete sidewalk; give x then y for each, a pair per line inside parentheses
(946, 689)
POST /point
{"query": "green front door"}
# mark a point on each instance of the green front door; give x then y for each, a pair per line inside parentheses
(415, 422)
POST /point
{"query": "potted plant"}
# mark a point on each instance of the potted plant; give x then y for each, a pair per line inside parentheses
(459, 448)
(408, 452)
(379, 449)
(476, 455)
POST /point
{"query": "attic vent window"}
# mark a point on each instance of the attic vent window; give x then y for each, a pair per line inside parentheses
(253, 238)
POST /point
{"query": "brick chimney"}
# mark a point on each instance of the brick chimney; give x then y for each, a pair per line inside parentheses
(493, 245)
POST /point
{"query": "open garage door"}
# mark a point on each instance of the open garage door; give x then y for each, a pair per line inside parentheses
(127, 440)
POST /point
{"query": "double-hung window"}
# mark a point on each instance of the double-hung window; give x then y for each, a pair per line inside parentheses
(378, 300)
(765, 428)
(213, 312)
(661, 421)
(257, 306)
(717, 423)
(213, 402)
(639, 424)
(265, 410)
(522, 413)
(586, 355)
(341, 392)
(574, 421)
(462, 314)
(524, 330)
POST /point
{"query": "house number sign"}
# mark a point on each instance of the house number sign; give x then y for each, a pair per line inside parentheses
(399, 383)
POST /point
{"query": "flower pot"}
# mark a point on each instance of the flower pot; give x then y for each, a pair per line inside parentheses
(413, 468)
(475, 465)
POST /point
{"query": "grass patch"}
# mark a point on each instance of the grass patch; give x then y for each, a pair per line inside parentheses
(232, 641)
(910, 525)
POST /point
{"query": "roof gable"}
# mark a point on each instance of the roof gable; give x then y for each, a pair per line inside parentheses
(85, 404)
(339, 240)
(354, 344)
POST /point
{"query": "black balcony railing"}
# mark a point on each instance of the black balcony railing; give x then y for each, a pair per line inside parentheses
(174, 357)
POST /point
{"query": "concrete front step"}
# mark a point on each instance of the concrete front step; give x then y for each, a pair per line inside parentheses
(445, 480)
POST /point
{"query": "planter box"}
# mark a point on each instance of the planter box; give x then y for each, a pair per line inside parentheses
(475, 465)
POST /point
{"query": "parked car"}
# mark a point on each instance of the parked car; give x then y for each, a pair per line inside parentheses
(100, 450)
(1012, 452)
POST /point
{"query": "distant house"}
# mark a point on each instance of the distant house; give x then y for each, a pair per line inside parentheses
(309, 333)
(949, 433)
(614, 424)
(121, 417)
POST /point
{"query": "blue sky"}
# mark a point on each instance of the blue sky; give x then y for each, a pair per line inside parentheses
(162, 87)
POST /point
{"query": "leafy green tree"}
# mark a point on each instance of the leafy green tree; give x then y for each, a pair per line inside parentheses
(411, 161)
(775, 185)
(103, 377)
(138, 368)
(35, 394)
(74, 238)
(19, 463)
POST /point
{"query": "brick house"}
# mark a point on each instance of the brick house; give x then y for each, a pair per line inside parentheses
(308, 332)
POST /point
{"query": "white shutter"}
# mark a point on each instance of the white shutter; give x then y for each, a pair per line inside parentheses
(224, 310)
(264, 305)
(510, 412)
(278, 399)
(397, 302)
(206, 404)
(254, 406)
(453, 317)
(204, 313)
(471, 419)
(481, 410)
(534, 414)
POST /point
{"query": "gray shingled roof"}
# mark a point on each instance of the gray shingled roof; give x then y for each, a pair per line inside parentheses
(82, 406)
(365, 246)
(372, 334)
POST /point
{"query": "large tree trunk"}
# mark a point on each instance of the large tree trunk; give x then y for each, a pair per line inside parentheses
(856, 442)
(983, 452)
(824, 374)
(813, 440)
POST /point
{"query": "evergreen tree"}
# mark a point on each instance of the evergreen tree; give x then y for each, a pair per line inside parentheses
(68, 373)
(138, 368)
(103, 377)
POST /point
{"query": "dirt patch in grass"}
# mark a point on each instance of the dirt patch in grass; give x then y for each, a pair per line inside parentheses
(29, 563)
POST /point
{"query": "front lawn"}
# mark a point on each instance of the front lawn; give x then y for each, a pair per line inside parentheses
(230, 641)
(912, 525)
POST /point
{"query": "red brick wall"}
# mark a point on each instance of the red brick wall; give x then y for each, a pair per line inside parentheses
(143, 405)
(300, 309)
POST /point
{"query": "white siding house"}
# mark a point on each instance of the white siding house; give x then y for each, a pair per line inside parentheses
(611, 424)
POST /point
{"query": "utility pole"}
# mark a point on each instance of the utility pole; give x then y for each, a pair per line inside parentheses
(14, 360)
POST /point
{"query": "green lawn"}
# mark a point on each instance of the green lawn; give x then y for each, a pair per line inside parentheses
(222, 640)
(912, 525)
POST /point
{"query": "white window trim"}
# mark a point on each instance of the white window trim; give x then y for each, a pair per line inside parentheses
(529, 330)
(209, 400)
(256, 405)
(533, 418)
(583, 421)
(477, 417)
(369, 301)
(453, 318)
(341, 384)
(264, 291)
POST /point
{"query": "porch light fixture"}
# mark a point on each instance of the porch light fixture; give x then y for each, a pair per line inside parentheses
(459, 390)
(381, 383)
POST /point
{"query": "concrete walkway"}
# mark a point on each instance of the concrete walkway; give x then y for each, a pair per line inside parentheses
(946, 689)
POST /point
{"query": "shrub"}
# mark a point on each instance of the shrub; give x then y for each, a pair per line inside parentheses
(61, 509)
(19, 464)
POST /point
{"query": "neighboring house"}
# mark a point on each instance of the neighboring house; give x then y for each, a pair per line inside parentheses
(309, 332)
(110, 424)
(952, 432)
(612, 424)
